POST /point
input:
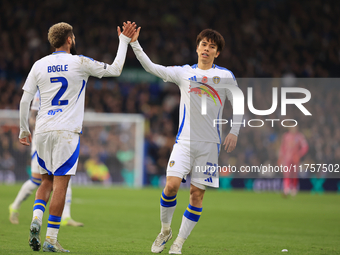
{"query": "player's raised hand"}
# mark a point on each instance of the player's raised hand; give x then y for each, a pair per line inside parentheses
(24, 140)
(135, 36)
(129, 29)
(230, 142)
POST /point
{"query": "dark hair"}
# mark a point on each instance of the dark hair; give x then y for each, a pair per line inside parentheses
(213, 36)
(58, 34)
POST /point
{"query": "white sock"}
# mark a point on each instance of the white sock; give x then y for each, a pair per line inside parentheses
(52, 234)
(53, 228)
(166, 218)
(26, 190)
(168, 206)
(68, 199)
(186, 227)
(39, 215)
(190, 217)
(38, 210)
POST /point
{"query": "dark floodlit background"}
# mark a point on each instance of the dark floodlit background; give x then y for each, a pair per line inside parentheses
(264, 39)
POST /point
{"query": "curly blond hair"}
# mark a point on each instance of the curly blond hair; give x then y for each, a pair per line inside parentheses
(58, 34)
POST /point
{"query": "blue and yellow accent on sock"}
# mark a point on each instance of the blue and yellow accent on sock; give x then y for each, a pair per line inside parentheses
(168, 201)
(39, 204)
(36, 181)
(54, 221)
(193, 213)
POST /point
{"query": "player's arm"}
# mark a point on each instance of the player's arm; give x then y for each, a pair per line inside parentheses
(231, 139)
(30, 88)
(124, 39)
(24, 113)
(32, 117)
(165, 73)
(99, 69)
(34, 109)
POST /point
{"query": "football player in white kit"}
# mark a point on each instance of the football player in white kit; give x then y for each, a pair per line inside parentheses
(198, 145)
(61, 79)
(34, 182)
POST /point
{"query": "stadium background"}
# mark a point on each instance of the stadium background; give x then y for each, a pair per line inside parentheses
(272, 39)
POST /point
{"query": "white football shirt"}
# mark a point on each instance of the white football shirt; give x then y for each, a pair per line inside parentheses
(192, 124)
(61, 80)
(36, 102)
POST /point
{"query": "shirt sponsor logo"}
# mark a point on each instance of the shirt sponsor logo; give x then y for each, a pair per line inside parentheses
(53, 112)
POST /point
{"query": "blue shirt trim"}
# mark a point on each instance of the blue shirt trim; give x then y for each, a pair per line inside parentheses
(61, 51)
(213, 66)
(81, 90)
(222, 68)
(218, 125)
(86, 57)
(181, 127)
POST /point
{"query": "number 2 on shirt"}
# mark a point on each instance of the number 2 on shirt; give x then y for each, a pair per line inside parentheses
(64, 85)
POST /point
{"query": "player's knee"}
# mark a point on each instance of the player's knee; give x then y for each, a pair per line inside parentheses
(171, 189)
(196, 196)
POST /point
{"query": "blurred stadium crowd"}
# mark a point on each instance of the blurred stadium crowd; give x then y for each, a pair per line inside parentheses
(263, 39)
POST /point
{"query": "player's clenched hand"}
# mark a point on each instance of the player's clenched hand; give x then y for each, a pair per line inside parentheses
(230, 142)
(24, 140)
(129, 29)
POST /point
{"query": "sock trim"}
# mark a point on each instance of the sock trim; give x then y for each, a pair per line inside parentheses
(39, 204)
(172, 198)
(53, 221)
(168, 201)
(193, 213)
(36, 181)
(196, 209)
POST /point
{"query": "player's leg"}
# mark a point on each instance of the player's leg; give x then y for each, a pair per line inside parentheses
(25, 191)
(178, 168)
(168, 203)
(65, 160)
(66, 219)
(205, 155)
(41, 198)
(190, 217)
(57, 206)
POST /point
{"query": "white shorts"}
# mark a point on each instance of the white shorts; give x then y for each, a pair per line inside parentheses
(57, 152)
(197, 158)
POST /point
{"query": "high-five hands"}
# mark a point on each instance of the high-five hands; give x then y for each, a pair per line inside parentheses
(129, 29)
(136, 34)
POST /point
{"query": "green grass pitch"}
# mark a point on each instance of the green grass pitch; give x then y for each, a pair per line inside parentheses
(126, 221)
